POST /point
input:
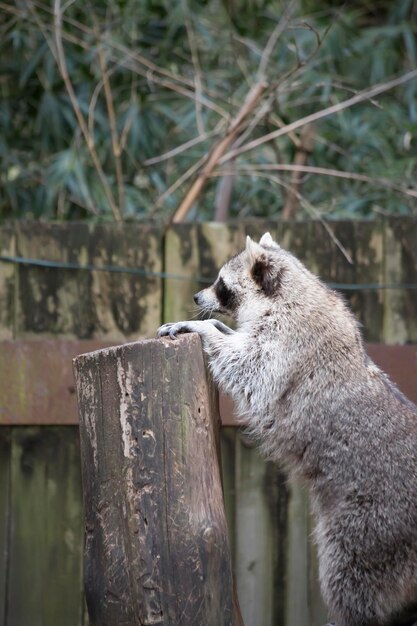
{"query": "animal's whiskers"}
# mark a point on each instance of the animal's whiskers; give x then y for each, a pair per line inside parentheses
(202, 312)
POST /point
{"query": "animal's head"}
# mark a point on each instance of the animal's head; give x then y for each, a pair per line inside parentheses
(250, 281)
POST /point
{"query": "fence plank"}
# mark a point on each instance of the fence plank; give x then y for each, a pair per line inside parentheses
(257, 498)
(369, 269)
(255, 228)
(228, 446)
(318, 615)
(298, 575)
(53, 301)
(126, 306)
(327, 254)
(87, 304)
(216, 244)
(4, 517)
(45, 567)
(182, 259)
(193, 251)
(7, 283)
(400, 306)
(36, 381)
(254, 538)
(157, 549)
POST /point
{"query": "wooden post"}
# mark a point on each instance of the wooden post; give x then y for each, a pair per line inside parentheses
(156, 538)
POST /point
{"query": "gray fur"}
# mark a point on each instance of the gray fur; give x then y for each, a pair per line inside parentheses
(297, 369)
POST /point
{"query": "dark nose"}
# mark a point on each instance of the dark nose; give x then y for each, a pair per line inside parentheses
(196, 297)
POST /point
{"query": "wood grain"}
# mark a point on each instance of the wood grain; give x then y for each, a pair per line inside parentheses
(44, 570)
(157, 548)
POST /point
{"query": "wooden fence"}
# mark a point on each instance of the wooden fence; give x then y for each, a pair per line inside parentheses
(50, 312)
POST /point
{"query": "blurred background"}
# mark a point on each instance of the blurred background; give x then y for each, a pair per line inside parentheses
(109, 108)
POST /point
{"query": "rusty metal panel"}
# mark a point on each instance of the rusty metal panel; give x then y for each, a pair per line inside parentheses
(36, 382)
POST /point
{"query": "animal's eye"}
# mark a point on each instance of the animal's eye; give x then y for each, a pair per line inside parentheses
(225, 296)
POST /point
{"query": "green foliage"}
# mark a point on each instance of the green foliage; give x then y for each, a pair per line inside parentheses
(156, 61)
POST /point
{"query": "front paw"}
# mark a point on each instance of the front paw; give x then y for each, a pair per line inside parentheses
(173, 328)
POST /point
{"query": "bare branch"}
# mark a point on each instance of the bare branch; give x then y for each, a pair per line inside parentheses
(272, 41)
(248, 106)
(197, 69)
(139, 58)
(312, 211)
(321, 171)
(113, 127)
(59, 54)
(95, 95)
(304, 149)
(223, 197)
(185, 146)
(355, 91)
(251, 102)
(180, 181)
(307, 26)
(263, 110)
(182, 91)
(277, 121)
(363, 95)
(134, 61)
(129, 118)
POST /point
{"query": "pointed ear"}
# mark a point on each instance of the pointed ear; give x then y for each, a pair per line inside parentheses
(253, 250)
(267, 241)
(267, 275)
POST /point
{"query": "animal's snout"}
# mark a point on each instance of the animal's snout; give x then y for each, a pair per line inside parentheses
(196, 297)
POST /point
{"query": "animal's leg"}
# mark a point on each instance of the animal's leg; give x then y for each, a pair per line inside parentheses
(223, 328)
(203, 327)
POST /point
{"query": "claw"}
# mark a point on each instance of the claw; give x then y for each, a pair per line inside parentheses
(172, 329)
(164, 330)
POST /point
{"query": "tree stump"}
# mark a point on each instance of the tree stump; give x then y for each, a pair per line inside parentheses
(156, 538)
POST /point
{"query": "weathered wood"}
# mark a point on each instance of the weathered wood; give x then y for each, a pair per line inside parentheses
(195, 251)
(37, 386)
(254, 539)
(51, 303)
(181, 259)
(368, 243)
(126, 306)
(36, 380)
(298, 574)
(44, 570)
(329, 260)
(295, 237)
(318, 615)
(4, 517)
(7, 283)
(400, 305)
(228, 445)
(157, 549)
(88, 304)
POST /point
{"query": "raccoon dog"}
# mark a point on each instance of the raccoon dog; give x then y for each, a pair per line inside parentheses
(298, 372)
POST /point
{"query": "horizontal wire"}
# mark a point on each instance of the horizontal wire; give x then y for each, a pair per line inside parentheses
(63, 265)
(166, 275)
